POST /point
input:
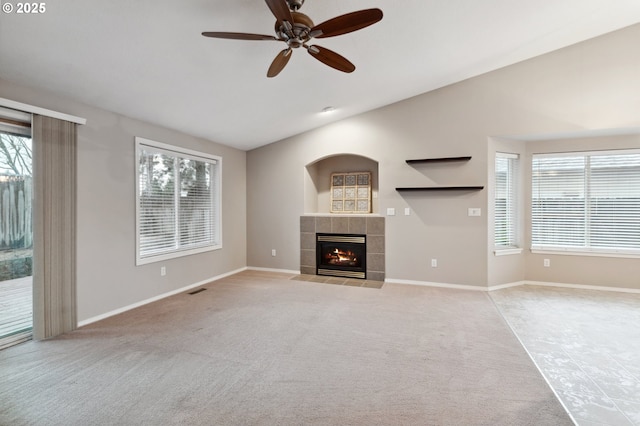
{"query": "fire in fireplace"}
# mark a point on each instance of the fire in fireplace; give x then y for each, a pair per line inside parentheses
(341, 255)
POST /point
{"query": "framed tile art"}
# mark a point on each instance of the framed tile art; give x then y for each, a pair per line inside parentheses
(351, 192)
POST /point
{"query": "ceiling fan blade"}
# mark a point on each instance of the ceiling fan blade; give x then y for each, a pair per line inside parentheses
(331, 58)
(279, 63)
(280, 10)
(238, 36)
(347, 23)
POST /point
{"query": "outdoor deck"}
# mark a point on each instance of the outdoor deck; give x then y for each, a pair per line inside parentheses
(16, 310)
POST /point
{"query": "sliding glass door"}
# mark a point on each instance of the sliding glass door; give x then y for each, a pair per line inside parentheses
(16, 229)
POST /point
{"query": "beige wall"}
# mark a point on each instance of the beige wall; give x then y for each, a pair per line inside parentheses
(107, 277)
(592, 85)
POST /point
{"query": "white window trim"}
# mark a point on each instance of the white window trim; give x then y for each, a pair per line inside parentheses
(590, 153)
(171, 149)
(508, 155)
(507, 251)
(503, 250)
(632, 254)
(15, 122)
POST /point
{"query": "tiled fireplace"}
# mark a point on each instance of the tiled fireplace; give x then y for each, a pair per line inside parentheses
(371, 228)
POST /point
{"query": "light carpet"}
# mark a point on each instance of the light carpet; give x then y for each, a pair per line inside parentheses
(258, 348)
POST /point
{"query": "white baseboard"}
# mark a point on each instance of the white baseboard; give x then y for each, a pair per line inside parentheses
(156, 298)
(454, 286)
(433, 284)
(514, 284)
(584, 287)
(507, 285)
(281, 271)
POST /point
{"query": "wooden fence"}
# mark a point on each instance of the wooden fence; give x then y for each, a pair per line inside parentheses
(16, 223)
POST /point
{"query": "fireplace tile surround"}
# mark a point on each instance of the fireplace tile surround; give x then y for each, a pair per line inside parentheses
(372, 226)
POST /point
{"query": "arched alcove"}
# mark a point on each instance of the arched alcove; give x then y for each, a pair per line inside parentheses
(317, 182)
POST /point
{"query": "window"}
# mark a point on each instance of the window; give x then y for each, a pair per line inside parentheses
(506, 229)
(177, 200)
(586, 202)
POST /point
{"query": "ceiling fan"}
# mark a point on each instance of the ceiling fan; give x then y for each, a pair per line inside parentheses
(297, 29)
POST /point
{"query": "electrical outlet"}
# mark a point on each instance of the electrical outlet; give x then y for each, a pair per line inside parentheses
(163, 271)
(273, 252)
(474, 211)
(434, 263)
(547, 263)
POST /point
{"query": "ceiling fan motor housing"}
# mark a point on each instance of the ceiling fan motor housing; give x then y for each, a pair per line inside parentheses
(297, 33)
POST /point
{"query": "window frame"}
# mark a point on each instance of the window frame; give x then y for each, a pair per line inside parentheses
(587, 249)
(216, 199)
(512, 214)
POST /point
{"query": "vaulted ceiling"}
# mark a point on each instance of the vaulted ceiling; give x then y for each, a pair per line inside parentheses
(148, 60)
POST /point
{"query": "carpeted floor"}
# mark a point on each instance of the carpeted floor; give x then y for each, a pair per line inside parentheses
(259, 348)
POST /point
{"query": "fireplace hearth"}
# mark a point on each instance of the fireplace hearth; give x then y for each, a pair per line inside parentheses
(341, 255)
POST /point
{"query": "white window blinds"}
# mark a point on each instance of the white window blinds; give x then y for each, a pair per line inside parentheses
(506, 229)
(587, 202)
(178, 200)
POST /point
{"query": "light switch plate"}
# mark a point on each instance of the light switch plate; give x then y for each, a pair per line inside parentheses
(391, 211)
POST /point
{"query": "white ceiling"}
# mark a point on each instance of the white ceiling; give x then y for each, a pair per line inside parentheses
(148, 60)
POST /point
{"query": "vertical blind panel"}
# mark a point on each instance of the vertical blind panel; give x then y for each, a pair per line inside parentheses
(54, 254)
(587, 201)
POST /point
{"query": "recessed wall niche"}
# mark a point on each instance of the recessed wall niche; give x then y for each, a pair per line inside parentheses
(317, 183)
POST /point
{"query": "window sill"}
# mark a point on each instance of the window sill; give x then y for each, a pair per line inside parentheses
(568, 252)
(507, 251)
(175, 254)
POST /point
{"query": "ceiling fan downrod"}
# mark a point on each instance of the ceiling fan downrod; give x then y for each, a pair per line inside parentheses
(295, 4)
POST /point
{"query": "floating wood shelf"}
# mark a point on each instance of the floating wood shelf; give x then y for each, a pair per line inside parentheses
(439, 188)
(438, 160)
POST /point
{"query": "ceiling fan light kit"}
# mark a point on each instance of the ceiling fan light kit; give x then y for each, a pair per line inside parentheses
(296, 29)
